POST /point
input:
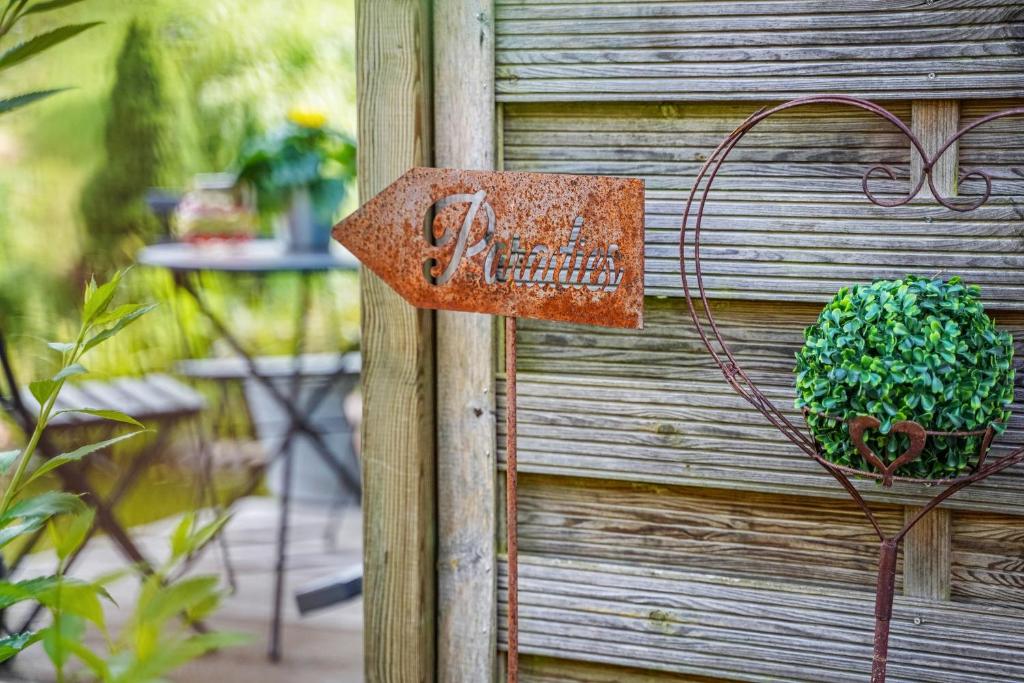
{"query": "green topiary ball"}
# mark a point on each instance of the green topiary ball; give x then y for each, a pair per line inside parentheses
(912, 349)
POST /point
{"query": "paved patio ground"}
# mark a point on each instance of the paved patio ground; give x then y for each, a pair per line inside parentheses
(325, 647)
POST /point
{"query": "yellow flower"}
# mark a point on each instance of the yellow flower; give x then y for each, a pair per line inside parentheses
(307, 118)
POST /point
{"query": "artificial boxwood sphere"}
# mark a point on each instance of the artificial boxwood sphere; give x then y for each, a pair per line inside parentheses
(912, 349)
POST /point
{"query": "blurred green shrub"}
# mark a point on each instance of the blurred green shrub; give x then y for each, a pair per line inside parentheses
(145, 148)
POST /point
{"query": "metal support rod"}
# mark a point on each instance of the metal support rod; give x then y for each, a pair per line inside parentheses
(511, 499)
(281, 561)
(886, 593)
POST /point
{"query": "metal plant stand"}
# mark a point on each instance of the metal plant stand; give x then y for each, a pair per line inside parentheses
(700, 311)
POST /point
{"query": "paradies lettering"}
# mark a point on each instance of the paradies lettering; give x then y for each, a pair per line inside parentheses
(571, 264)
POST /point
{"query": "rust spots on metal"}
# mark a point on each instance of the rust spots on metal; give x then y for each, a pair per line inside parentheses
(917, 435)
(531, 245)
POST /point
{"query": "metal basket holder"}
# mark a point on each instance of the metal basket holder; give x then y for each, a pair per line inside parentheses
(700, 311)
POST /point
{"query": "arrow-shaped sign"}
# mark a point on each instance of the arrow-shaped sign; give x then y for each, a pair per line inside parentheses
(533, 245)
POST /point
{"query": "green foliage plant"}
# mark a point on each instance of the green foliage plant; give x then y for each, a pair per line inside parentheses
(911, 349)
(145, 148)
(11, 14)
(303, 153)
(157, 638)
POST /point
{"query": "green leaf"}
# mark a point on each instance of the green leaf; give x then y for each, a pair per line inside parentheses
(77, 454)
(115, 315)
(179, 598)
(113, 415)
(106, 334)
(78, 598)
(42, 390)
(180, 535)
(98, 298)
(41, 42)
(29, 589)
(45, 505)
(90, 658)
(7, 459)
(9, 104)
(205, 534)
(61, 347)
(67, 540)
(49, 6)
(56, 638)
(72, 370)
(31, 514)
(171, 656)
(11, 645)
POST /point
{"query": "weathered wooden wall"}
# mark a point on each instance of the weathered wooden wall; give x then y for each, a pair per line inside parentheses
(667, 532)
(399, 511)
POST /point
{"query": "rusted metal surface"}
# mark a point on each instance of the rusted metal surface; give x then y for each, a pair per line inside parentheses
(919, 435)
(532, 245)
(885, 591)
(512, 499)
(740, 381)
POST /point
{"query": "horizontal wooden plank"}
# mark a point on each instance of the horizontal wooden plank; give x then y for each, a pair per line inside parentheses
(551, 670)
(588, 51)
(988, 558)
(807, 229)
(650, 406)
(753, 630)
(998, 149)
(771, 536)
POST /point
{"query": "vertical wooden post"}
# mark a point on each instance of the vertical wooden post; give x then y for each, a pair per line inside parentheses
(466, 437)
(927, 553)
(394, 104)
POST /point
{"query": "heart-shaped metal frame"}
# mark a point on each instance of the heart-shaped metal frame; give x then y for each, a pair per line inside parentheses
(916, 432)
(887, 473)
(741, 382)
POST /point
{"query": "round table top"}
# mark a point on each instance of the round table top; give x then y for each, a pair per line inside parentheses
(253, 256)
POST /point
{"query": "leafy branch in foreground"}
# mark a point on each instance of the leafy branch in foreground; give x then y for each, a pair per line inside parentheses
(157, 638)
(12, 13)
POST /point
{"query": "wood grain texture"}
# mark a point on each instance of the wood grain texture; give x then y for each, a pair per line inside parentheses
(787, 219)
(754, 630)
(800, 540)
(927, 548)
(988, 559)
(927, 556)
(589, 51)
(998, 148)
(934, 122)
(651, 406)
(550, 670)
(399, 584)
(464, 129)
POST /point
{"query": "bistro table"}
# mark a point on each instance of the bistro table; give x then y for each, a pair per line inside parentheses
(264, 257)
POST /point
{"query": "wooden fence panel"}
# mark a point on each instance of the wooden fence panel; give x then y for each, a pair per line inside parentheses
(757, 50)
(651, 406)
(754, 630)
(787, 219)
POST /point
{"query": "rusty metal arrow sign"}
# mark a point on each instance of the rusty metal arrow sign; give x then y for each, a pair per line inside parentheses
(532, 245)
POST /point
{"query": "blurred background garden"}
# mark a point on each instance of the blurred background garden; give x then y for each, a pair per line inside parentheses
(201, 123)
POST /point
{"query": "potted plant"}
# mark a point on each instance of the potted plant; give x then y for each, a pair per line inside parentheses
(895, 352)
(301, 173)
